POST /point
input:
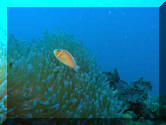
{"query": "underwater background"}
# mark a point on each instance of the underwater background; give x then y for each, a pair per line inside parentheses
(123, 38)
(116, 49)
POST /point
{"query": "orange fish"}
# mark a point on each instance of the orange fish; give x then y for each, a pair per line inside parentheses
(66, 58)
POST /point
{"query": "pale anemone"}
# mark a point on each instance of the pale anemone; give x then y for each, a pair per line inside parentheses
(3, 82)
(40, 86)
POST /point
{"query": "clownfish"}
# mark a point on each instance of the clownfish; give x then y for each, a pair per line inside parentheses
(66, 58)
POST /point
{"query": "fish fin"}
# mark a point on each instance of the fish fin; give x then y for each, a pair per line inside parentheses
(77, 68)
(54, 51)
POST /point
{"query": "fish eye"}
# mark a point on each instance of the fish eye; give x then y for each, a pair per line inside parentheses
(58, 51)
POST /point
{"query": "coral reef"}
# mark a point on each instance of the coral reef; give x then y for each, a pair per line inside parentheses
(135, 96)
(39, 86)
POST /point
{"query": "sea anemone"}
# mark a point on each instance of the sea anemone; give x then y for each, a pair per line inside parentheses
(39, 86)
(3, 83)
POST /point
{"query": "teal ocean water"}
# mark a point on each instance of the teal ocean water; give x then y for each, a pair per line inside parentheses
(116, 50)
(122, 38)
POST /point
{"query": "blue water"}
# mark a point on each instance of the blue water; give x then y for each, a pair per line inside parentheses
(122, 38)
